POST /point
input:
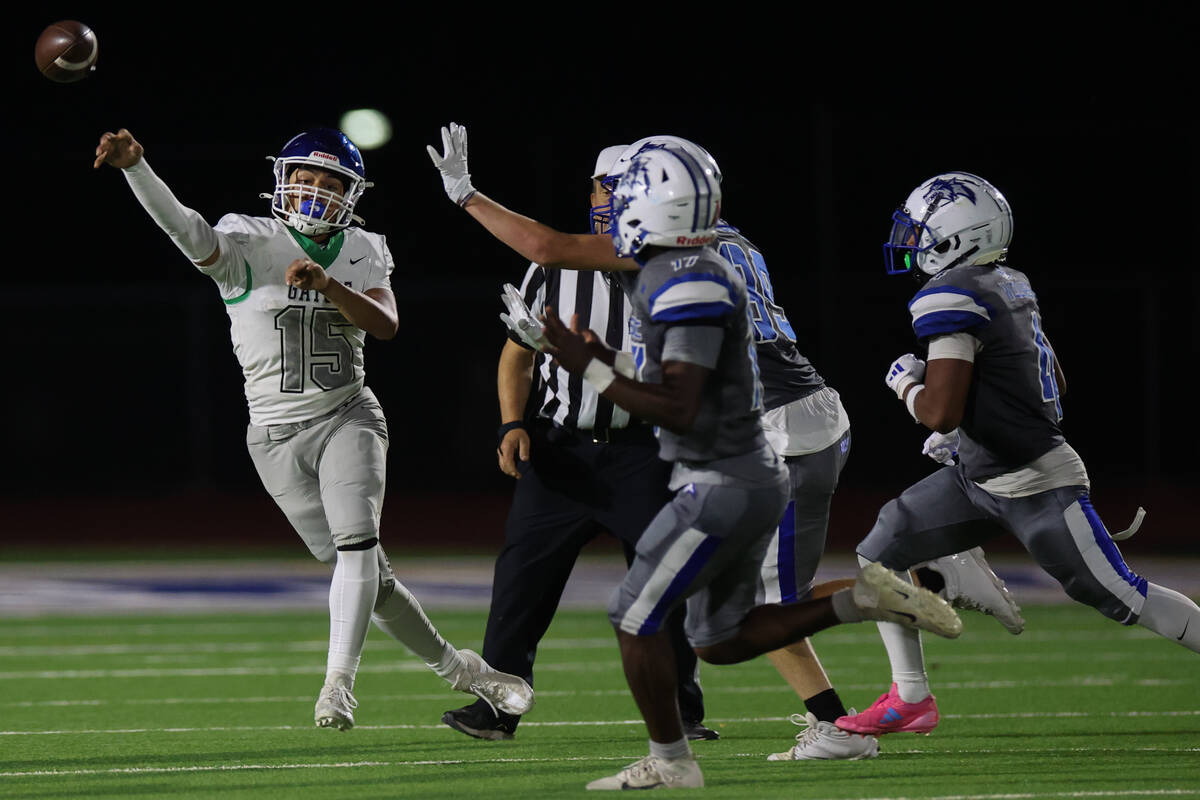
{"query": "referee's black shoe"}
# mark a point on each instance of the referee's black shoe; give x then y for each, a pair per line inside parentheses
(478, 720)
(696, 732)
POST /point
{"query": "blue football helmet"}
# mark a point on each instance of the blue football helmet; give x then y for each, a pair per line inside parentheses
(311, 210)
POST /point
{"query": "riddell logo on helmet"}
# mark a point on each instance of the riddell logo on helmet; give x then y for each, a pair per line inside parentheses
(324, 157)
(693, 241)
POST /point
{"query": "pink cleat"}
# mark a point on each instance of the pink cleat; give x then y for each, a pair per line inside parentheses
(890, 714)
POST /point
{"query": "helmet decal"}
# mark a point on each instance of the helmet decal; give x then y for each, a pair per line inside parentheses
(948, 190)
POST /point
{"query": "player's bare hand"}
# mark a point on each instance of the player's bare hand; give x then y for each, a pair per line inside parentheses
(573, 347)
(118, 149)
(304, 273)
(514, 445)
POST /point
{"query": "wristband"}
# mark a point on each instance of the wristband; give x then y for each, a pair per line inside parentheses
(599, 375)
(911, 400)
(623, 364)
(902, 383)
(503, 430)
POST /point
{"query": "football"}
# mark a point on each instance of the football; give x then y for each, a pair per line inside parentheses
(66, 51)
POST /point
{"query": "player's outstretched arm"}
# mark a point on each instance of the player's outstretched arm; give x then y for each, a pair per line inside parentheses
(191, 234)
(672, 404)
(533, 240)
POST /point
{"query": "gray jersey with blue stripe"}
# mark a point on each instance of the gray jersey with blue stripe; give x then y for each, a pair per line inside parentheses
(1013, 408)
(694, 288)
(786, 374)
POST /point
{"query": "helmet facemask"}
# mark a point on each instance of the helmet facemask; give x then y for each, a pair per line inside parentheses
(952, 219)
(309, 209)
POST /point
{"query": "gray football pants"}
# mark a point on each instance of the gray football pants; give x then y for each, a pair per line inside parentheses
(327, 474)
(946, 513)
(799, 541)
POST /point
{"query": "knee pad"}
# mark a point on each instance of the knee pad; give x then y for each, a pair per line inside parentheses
(1089, 594)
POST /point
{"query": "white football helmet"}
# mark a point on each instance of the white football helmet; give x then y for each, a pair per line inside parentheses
(697, 152)
(951, 219)
(665, 197)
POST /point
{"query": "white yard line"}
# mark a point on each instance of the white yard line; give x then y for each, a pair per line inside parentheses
(607, 723)
(774, 687)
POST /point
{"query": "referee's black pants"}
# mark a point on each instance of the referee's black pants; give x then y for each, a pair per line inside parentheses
(572, 490)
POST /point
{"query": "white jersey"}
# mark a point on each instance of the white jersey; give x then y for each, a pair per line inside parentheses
(300, 357)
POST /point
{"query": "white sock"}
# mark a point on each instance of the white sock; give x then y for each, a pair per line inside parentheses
(1172, 616)
(399, 615)
(905, 653)
(351, 595)
(679, 749)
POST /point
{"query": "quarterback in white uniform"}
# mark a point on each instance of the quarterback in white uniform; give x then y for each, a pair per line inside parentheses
(303, 289)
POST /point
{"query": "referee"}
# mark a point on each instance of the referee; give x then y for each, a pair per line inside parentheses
(583, 466)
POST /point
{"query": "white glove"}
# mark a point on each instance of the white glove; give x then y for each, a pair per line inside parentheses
(520, 319)
(905, 371)
(942, 447)
(452, 163)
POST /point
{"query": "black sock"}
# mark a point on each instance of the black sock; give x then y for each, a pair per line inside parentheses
(931, 579)
(826, 706)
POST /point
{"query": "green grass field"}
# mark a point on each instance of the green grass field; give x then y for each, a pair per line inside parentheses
(191, 706)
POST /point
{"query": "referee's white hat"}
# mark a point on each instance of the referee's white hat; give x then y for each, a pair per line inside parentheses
(608, 156)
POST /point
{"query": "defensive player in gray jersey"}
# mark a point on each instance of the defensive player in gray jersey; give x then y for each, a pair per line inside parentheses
(992, 376)
(697, 381)
(804, 420)
(302, 289)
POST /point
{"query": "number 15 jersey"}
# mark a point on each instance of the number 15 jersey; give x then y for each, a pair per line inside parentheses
(300, 357)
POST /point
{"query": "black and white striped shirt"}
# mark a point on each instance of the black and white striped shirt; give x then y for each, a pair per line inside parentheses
(600, 302)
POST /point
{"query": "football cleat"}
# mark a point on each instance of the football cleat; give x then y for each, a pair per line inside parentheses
(825, 741)
(698, 731)
(971, 584)
(335, 705)
(475, 720)
(890, 714)
(503, 692)
(652, 772)
(881, 595)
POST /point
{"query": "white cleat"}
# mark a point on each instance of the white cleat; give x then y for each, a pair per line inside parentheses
(826, 741)
(335, 705)
(652, 772)
(880, 594)
(971, 584)
(501, 691)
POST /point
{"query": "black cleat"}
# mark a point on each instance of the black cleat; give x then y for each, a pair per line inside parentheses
(477, 720)
(695, 732)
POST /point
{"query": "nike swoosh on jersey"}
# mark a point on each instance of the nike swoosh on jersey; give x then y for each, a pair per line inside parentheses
(1179, 638)
(356, 260)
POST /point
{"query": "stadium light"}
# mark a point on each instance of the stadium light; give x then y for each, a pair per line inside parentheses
(367, 128)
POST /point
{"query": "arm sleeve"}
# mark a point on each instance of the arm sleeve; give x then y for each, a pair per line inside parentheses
(962, 346)
(694, 344)
(191, 234)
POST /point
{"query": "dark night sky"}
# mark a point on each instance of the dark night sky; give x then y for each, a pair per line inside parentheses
(128, 381)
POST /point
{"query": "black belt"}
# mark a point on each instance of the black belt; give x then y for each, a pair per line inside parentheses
(636, 433)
